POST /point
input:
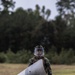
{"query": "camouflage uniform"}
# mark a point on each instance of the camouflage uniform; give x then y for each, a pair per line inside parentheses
(45, 61)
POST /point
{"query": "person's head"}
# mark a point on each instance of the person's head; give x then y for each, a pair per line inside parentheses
(39, 51)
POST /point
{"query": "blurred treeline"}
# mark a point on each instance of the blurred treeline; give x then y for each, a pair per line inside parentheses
(23, 56)
(24, 29)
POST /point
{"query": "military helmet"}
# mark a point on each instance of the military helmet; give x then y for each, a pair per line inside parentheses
(39, 50)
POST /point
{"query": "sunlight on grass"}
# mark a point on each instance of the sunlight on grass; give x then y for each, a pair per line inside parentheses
(63, 70)
(14, 69)
(11, 69)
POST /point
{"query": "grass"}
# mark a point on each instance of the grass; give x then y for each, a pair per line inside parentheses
(14, 69)
(11, 69)
(63, 69)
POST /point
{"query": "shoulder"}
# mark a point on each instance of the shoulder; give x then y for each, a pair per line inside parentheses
(32, 59)
(46, 60)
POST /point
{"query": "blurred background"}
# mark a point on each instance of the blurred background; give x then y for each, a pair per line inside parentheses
(23, 26)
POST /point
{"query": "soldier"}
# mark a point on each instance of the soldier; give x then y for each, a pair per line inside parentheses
(39, 54)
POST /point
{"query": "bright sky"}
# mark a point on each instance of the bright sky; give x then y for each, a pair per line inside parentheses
(49, 4)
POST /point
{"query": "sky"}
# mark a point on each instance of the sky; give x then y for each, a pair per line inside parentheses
(49, 4)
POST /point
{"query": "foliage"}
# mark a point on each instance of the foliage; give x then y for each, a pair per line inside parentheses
(23, 56)
(66, 10)
(24, 29)
(65, 57)
(7, 4)
(3, 57)
(11, 56)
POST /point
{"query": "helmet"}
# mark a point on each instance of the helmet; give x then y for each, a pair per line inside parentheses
(39, 51)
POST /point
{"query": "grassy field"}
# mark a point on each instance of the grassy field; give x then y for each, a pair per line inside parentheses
(14, 69)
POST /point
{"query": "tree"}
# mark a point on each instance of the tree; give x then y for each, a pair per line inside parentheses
(48, 12)
(61, 27)
(6, 4)
(66, 9)
(37, 10)
(44, 34)
(43, 11)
